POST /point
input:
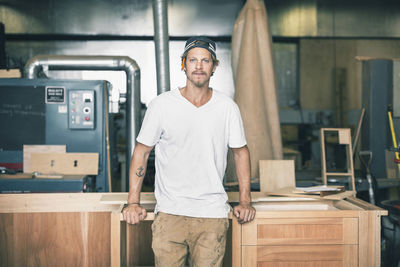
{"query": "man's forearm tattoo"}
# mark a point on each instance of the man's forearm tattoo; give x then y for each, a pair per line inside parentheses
(140, 172)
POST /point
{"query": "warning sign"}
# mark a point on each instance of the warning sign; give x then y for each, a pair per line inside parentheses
(55, 95)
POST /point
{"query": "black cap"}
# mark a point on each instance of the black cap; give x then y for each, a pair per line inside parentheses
(201, 41)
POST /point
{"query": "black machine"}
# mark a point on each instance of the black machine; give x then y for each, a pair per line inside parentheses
(53, 112)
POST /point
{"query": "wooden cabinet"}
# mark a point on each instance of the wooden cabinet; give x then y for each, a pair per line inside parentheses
(86, 230)
(329, 233)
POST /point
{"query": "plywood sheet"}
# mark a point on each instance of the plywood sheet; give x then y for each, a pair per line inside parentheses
(55, 239)
(12, 73)
(29, 149)
(65, 163)
(291, 192)
(276, 174)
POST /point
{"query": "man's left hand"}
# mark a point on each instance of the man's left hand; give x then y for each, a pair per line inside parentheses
(244, 213)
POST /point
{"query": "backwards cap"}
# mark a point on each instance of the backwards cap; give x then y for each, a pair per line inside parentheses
(201, 41)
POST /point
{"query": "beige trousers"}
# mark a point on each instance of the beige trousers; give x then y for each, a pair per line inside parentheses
(177, 239)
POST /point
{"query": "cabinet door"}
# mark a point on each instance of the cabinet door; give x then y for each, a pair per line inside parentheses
(304, 242)
(301, 231)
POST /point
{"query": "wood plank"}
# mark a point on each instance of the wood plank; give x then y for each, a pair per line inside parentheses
(236, 243)
(308, 214)
(300, 234)
(29, 149)
(249, 233)
(364, 239)
(21, 248)
(11, 73)
(350, 258)
(53, 202)
(344, 137)
(357, 134)
(375, 229)
(366, 206)
(54, 239)
(369, 242)
(65, 163)
(350, 231)
(338, 173)
(262, 206)
(301, 253)
(249, 256)
(333, 129)
(7, 241)
(307, 231)
(98, 240)
(265, 197)
(115, 239)
(16, 176)
(276, 174)
(121, 198)
(312, 221)
(350, 167)
(301, 264)
(290, 192)
(346, 205)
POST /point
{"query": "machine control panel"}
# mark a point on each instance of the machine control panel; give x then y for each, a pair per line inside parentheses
(81, 113)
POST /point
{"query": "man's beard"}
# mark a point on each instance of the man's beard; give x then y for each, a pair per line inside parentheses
(198, 83)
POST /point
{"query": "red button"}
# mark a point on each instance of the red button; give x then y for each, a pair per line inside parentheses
(87, 118)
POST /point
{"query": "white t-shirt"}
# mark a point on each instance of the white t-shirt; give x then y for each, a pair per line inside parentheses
(191, 146)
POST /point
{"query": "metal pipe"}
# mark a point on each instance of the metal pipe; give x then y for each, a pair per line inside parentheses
(3, 64)
(161, 38)
(116, 63)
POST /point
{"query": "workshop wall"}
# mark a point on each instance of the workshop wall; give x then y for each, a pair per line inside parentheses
(312, 38)
(318, 60)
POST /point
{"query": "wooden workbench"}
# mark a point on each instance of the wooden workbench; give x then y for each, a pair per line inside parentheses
(85, 229)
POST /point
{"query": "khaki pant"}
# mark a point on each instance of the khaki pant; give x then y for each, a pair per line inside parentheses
(176, 237)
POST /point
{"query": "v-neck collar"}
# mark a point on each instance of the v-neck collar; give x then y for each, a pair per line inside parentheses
(191, 104)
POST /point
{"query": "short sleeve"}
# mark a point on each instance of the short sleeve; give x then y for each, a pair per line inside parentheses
(150, 132)
(237, 136)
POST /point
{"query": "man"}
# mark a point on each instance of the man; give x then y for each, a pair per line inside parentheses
(191, 129)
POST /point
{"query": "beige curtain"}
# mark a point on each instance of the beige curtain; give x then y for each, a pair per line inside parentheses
(252, 63)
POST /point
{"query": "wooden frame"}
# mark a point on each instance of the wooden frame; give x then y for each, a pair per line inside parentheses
(344, 139)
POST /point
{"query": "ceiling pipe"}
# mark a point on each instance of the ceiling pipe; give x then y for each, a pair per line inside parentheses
(114, 63)
(161, 38)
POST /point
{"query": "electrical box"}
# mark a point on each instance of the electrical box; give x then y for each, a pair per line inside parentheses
(54, 112)
(81, 109)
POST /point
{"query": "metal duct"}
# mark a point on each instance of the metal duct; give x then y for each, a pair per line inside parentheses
(161, 38)
(116, 63)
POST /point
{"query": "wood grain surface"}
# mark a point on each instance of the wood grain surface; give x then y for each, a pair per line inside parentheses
(51, 239)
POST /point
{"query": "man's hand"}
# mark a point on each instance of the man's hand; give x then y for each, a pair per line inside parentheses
(134, 213)
(244, 213)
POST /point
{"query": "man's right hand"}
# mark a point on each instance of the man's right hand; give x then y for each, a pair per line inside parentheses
(134, 213)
